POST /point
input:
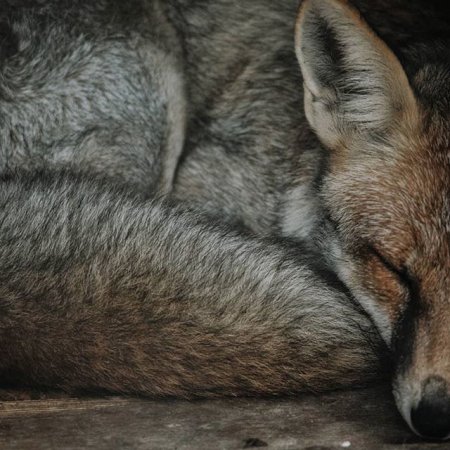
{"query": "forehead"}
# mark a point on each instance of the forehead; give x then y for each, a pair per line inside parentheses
(397, 195)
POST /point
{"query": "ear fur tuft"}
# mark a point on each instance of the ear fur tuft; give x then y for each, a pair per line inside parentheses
(352, 79)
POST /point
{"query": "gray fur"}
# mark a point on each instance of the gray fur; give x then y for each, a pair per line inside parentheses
(162, 226)
(133, 295)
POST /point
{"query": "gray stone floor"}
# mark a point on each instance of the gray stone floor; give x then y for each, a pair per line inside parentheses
(365, 419)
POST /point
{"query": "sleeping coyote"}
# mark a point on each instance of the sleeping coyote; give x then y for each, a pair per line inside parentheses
(185, 212)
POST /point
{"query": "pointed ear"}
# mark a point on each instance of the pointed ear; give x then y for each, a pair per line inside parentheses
(353, 81)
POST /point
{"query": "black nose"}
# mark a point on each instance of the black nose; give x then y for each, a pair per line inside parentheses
(431, 418)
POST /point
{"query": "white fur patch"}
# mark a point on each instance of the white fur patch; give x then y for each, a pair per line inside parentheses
(301, 213)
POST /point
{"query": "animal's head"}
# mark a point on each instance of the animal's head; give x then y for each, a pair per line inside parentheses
(387, 190)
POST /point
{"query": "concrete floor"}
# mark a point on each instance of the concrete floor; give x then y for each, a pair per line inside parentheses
(365, 419)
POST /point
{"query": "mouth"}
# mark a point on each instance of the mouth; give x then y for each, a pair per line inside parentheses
(404, 399)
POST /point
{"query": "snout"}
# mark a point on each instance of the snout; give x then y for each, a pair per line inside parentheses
(431, 417)
(424, 405)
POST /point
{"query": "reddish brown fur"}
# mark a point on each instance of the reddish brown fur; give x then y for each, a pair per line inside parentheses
(397, 206)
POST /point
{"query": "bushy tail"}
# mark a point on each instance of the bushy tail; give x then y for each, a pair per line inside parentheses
(102, 291)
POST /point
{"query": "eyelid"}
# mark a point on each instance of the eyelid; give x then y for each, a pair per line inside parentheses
(402, 273)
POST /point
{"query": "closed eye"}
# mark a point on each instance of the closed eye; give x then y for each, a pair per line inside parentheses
(402, 273)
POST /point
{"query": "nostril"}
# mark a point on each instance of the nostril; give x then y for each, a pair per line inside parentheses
(431, 418)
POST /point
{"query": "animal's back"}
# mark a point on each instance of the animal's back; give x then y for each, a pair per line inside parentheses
(92, 88)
